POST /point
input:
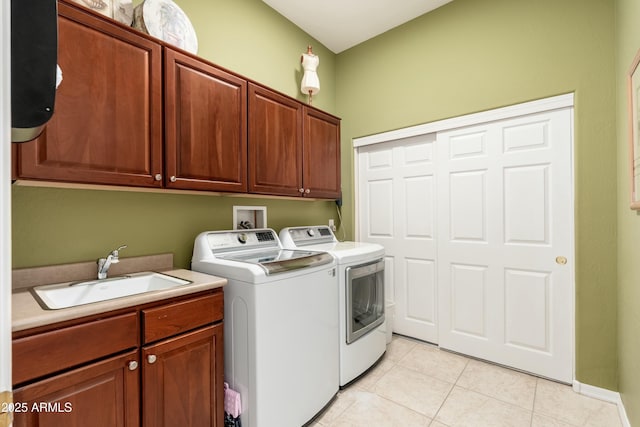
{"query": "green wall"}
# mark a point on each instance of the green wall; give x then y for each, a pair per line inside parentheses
(56, 226)
(467, 56)
(472, 55)
(627, 45)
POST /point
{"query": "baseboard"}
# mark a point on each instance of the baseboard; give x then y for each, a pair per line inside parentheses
(603, 394)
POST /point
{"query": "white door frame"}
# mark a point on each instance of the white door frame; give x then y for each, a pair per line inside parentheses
(537, 106)
(5, 201)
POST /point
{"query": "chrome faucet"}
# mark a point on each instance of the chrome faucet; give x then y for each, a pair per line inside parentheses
(105, 263)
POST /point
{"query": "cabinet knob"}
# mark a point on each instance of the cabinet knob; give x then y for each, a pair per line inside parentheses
(132, 365)
(152, 358)
(307, 191)
(173, 178)
(158, 177)
(301, 190)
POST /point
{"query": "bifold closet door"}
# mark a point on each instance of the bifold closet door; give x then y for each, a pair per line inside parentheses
(505, 251)
(396, 190)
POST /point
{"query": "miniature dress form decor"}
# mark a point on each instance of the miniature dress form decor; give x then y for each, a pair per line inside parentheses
(310, 84)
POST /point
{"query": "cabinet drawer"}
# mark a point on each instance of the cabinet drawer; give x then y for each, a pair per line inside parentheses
(172, 319)
(42, 354)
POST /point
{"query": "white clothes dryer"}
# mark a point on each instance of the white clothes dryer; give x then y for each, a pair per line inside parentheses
(361, 293)
(280, 324)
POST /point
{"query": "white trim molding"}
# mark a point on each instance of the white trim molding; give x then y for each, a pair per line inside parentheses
(5, 205)
(546, 104)
(603, 394)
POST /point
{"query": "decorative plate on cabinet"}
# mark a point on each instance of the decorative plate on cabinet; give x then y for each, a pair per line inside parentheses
(165, 20)
(120, 10)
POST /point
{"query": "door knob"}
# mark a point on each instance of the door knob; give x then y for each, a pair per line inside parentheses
(173, 179)
(561, 260)
(158, 177)
(132, 365)
(307, 191)
(152, 358)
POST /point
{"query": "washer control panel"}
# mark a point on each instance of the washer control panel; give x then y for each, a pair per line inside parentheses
(228, 240)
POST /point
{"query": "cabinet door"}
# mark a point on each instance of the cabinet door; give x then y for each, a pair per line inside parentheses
(275, 143)
(205, 125)
(183, 380)
(102, 394)
(106, 126)
(321, 155)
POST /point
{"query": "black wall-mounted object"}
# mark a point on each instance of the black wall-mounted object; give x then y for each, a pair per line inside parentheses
(34, 56)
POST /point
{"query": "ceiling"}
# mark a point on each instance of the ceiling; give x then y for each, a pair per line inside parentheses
(341, 24)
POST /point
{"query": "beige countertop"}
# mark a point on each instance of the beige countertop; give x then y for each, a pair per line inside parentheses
(28, 313)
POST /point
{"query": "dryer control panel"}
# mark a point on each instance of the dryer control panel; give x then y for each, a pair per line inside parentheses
(311, 235)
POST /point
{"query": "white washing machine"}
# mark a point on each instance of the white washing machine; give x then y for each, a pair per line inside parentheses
(361, 284)
(280, 324)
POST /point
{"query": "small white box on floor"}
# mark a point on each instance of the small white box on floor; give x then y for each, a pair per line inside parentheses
(389, 314)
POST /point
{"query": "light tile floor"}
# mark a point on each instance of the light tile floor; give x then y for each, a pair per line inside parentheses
(416, 384)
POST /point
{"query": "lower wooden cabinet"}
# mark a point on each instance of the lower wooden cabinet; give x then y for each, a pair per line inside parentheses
(101, 394)
(170, 374)
(180, 379)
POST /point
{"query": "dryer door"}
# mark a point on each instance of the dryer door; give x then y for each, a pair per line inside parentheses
(365, 299)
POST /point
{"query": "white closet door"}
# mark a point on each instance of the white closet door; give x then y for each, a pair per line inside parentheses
(397, 209)
(505, 251)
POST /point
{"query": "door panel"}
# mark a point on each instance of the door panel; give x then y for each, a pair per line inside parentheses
(468, 300)
(472, 223)
(502, 297)
(420, 302)
(527, 319)
(397, 189)
(468, 206)
(526, 201)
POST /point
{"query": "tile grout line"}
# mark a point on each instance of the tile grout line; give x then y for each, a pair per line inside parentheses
(449, 393)
(396, 363)
(533, 408)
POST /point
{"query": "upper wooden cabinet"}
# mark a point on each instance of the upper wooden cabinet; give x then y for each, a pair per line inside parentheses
(275, 143)
(107, 122)
(135, 111)
(294, 150)
(321, 155)
(205, 126)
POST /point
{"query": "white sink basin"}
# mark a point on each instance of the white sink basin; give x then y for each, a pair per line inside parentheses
(67, 295)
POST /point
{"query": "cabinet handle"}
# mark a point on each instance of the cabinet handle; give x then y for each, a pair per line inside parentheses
(152, 358)
(301, 190)
(307, 191)
(173, 178)
(158, 177)
(132, 365)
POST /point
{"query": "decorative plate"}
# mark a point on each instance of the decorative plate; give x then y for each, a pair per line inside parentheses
(165, 20)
